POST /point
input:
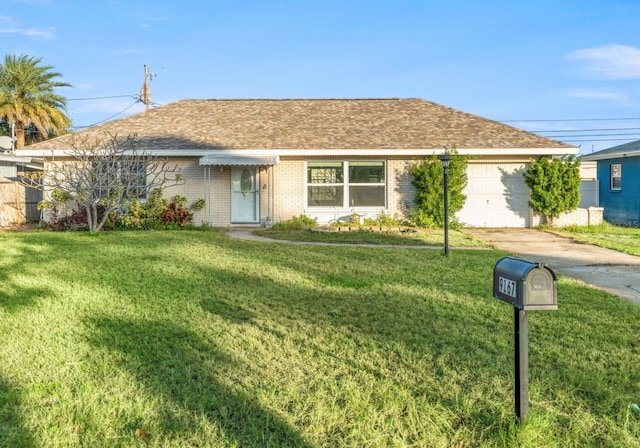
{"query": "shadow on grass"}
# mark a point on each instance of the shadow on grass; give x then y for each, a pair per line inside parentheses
(421, 306)
(172, 362)
(347, 310)
(12, 429)
(20, 258)
(20, 297)
(452, 320)
(232, 312)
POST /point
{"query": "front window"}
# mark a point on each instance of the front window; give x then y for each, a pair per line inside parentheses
(325, 184)
(366, 184)
(127, 178)
(346, 184)
(616, 176)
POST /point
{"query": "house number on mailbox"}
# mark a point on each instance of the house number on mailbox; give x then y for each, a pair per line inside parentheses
(507, 286)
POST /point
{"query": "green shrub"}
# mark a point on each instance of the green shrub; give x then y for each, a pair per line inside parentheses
(423, 218)
(140, 216)
(554, 185)
(428, 176)
(198, 205)
(301, 222)
(157, 213)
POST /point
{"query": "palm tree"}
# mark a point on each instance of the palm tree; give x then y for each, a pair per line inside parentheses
(27, 97)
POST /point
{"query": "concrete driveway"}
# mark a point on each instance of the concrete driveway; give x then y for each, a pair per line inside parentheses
(606, 269)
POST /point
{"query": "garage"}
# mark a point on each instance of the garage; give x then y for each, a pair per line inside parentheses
(496, 196)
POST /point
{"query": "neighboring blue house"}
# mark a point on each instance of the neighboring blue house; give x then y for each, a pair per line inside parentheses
(619, 183)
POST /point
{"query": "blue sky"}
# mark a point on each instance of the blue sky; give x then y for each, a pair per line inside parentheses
(511, 61)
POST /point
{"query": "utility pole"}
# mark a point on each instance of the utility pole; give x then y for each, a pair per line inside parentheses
(145, 96)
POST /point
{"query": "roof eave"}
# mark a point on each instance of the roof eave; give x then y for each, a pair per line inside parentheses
(616, 155)
(283, 152)
(29, 162)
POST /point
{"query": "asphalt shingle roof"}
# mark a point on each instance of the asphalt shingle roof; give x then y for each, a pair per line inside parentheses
(616, 151)
(311, 124)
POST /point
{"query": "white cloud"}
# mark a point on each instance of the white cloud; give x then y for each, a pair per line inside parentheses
(9, 26)
(41, 33)
(611, 61)
(32, 32)
(598, 94)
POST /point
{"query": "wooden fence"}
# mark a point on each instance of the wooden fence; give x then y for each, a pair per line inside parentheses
(18, 204)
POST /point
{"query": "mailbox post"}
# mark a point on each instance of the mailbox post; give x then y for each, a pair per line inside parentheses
(526, 286)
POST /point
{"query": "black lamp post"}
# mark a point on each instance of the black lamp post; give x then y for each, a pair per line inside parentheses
(446, 160)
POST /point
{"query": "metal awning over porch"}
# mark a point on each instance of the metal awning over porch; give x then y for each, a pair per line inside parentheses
(236, 160)
(28, 162)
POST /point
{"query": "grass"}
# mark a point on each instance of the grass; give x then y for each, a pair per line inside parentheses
(176, 339)
(423, 237)
(622, 239)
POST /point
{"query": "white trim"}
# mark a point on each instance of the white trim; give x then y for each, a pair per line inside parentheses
(619, 177)
(612, 155)
(29, 162)
(378, 153)
(326, 152)
(156, 152)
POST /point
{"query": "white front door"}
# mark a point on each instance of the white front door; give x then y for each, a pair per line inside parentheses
(244, 195)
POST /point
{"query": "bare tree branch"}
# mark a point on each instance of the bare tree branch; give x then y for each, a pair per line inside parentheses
(104, 175)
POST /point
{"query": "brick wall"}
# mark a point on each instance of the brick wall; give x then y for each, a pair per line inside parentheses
(288, 192)
(195, 187)
(401, 193)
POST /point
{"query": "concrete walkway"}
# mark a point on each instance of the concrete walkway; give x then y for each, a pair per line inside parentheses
(606, 269)
(612, 271)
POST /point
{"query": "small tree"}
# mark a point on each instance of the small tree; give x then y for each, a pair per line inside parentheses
(103, 176)
(428, 176)
(555, 186)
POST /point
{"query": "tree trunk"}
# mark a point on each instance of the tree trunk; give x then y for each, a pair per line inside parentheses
(549, 219)
(89, 211)
(19, 135)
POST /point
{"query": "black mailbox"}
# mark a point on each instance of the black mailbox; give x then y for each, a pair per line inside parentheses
(525, 285)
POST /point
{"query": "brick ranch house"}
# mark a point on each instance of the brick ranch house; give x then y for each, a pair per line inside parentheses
(257, 162)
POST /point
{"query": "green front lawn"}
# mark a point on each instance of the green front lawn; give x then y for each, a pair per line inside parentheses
(393, 236)
(176, 339)
(622, 239)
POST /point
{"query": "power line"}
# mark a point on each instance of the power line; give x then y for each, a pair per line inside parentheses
(108, 118)
(569, 119)
(572, 137)
(596, 135)
(103, 97)
(591, 130)
(599, 140)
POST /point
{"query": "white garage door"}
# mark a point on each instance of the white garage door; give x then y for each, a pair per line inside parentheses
(496, 196)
